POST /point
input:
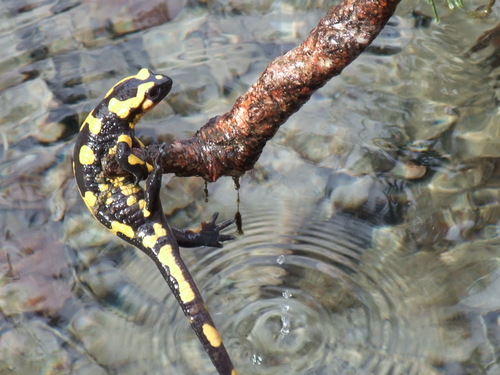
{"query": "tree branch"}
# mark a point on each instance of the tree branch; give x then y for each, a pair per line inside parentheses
(230, 144)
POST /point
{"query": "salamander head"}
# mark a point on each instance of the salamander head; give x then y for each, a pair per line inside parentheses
(133, 96)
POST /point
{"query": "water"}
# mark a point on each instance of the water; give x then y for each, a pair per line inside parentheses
(371, 222)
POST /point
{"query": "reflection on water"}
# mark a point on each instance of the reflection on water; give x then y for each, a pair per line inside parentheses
(371, 221)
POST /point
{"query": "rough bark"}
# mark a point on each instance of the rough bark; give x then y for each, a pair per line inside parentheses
(230, 144)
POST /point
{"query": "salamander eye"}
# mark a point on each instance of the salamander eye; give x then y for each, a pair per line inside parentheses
(156, 93)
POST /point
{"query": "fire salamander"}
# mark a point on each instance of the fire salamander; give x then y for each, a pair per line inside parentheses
(133, 212)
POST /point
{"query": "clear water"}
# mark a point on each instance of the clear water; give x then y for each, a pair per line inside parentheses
(371, 222)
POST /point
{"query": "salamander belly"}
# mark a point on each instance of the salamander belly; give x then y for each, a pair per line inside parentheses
(122, 209)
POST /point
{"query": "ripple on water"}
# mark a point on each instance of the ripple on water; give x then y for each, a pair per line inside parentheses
(318, 297)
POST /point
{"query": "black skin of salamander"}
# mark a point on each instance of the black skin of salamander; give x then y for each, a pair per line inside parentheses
(134, 212)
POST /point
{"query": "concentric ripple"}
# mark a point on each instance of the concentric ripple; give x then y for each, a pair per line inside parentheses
(327, 297)
(295, 295)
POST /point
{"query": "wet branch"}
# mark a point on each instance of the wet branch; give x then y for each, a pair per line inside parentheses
(230, 144)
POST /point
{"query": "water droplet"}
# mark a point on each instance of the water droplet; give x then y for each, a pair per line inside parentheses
(285, 308)
(256, 359)
(285, 324)
(286, 294)
(281, 259)
(285, 316)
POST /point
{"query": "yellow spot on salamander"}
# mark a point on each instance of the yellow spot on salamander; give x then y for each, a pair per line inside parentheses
(103, 187)
(95, 124)
(147, 104)
(89, 198)
(142, 206)
(149, 166)
(123, 108)
(133, 160)
(212, 335)
(143, 74)
(86, 155)
(117, 181)
(125, 138)
(150, 241)
(129, 189)
(117, 227)
(168, 259)
(131, 200)
(159, 230)
(233, 372)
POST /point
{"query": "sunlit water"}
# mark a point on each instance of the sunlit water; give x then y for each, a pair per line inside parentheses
(371, 227)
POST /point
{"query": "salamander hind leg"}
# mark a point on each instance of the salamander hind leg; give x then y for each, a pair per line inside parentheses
(207, 234)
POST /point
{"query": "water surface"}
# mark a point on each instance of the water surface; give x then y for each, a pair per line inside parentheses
(371, 237)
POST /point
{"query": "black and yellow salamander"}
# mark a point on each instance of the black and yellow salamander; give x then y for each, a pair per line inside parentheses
(133, 212)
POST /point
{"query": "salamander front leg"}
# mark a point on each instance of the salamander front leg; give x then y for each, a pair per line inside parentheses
(130, 161)
(153, 186)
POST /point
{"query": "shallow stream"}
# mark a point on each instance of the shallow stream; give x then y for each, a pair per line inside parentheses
(371, 222)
